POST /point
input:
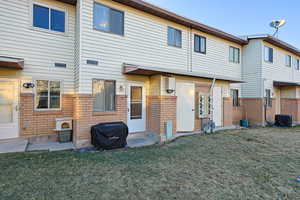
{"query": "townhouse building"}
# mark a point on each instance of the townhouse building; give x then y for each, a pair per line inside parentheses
(271, 74)
(99, 61)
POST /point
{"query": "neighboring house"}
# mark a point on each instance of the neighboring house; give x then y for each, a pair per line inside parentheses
(272, 76)
(110, 60)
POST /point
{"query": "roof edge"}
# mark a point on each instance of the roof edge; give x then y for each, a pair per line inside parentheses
(275, 41)
(163, 13)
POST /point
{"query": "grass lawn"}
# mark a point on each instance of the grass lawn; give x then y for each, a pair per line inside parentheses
(260, 163)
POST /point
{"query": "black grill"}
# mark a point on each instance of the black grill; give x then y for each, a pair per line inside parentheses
(284, 120)
(109, 135)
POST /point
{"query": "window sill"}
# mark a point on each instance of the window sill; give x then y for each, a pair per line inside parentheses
(269, 62)
(48, 112)
(174, 46)
(95, 113)
(65, 34)
(109, 32)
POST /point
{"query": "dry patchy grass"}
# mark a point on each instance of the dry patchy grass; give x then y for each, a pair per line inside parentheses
(260, 163)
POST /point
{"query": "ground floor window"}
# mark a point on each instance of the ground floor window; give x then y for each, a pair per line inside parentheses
(268, 98)
(48, 94)
(104, 94)
(235, 97)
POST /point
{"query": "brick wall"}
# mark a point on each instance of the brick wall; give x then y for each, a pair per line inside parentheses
(291, 106)
(41, 123)
(253, 110)
(227, 111)
(161, 109)
(84, 117)
(271, 112)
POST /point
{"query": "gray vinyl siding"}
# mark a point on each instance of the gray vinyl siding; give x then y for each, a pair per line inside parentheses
(251, 69)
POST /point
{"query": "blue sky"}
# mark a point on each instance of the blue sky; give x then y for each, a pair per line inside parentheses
(241, 17)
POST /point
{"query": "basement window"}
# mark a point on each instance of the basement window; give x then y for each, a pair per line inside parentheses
(48, 94)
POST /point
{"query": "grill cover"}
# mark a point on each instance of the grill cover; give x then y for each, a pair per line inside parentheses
(283, 120)
(109, 135)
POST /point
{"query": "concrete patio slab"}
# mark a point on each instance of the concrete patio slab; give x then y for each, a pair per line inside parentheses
(13, 145)
(142, 139)
(50, 146)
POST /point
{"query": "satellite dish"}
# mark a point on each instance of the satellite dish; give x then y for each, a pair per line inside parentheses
(277, 24)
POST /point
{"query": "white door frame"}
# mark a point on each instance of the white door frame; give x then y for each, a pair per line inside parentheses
(219, 123)
(136, 125)
(191, 105)
(12, 130)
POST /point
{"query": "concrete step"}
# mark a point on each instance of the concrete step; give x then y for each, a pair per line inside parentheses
(50, 146)
(13, 145)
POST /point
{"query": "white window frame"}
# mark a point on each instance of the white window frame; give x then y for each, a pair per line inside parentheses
(181, 38)
(115, 97)
(46, 5)
(239, 59)
(60, 98)
(205, 43)
(111, 8)
(296, 63)
(291, 60)
(267, 60)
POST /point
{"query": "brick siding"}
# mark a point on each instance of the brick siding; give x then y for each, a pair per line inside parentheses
(161, 109)
(41, 123)
(85, 118)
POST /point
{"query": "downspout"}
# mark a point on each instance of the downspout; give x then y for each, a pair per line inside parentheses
(191, 49)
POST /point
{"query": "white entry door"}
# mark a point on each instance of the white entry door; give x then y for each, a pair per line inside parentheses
(217, 106)
(185, 106)
(9, 115)
(136, 107)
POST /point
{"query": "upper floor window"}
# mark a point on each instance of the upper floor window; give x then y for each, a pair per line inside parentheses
(296, 64)
(49, 18)
(200, 44)
(48, 94)
(108, 19)
(268, 54)
(104, 92)
(288, 60)
(174, 37)
(234, 54)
